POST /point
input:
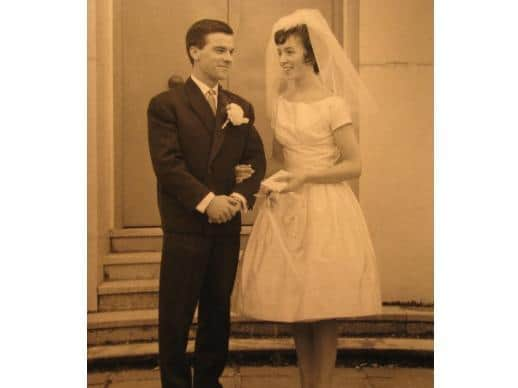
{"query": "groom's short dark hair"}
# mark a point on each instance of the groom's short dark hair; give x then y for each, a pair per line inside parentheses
(198, 31)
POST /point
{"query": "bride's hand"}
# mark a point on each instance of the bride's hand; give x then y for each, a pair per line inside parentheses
(243, 171)
(293, 182)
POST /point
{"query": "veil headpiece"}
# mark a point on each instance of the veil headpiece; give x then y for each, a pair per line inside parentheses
(336, 72)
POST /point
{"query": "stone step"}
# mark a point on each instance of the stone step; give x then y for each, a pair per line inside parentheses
(149, 239)
(136, 240)
(128, 295)
(265, 345)
(141, 325)
(132, 266)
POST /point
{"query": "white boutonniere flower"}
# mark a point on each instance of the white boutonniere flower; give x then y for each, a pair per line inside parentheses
(235, 115)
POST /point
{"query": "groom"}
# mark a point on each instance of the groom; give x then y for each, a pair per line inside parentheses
(198, 133)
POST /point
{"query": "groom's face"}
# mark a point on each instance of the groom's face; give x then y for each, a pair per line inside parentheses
(214, 60)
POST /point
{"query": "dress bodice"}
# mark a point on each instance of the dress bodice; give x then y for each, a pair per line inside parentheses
(305, 130)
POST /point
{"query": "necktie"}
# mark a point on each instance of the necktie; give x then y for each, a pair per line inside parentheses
(211, 98)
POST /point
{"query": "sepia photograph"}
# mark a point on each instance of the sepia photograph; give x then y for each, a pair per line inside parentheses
(260, 193)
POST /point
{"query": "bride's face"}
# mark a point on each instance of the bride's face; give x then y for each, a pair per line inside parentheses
(291, 58)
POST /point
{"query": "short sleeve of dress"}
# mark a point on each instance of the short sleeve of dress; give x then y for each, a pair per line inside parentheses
(340, 113)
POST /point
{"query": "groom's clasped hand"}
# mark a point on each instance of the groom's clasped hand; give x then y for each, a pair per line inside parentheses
(222, 209)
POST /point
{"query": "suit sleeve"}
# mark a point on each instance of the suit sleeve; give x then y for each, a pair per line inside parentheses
(253, 154)
(168, 160)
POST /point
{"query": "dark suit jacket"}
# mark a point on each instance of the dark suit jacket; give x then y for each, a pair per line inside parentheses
(193, 156)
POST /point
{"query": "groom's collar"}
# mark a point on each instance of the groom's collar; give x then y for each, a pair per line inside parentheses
(204, 87)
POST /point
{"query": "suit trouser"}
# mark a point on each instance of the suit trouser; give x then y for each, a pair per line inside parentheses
(195, 269)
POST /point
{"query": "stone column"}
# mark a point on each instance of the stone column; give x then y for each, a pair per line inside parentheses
(100, 140)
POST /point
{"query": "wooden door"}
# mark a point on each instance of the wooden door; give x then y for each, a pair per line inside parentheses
(149, 47)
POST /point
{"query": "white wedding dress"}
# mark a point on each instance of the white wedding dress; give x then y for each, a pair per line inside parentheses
(309, 256)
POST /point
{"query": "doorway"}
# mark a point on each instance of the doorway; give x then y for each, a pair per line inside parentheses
(149, 47)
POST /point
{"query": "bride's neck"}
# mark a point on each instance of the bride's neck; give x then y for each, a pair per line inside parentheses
(307, 83)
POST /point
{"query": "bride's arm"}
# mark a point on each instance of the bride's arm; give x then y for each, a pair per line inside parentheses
(348, 167)
(274, 164)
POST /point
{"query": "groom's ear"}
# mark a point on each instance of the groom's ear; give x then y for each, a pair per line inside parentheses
(194, 52)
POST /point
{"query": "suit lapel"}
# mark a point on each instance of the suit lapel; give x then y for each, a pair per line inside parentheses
(199, 105)
(221, 116)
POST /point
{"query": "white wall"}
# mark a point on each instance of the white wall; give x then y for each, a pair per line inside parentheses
(396, 188)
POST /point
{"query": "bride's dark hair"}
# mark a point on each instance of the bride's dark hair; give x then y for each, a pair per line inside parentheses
(300, 30)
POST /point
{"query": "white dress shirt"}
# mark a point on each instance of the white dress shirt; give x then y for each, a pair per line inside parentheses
(205, 88)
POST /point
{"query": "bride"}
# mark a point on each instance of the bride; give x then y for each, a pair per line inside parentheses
(309, 259)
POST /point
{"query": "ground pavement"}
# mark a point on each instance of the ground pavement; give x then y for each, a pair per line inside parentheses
(276, 377)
